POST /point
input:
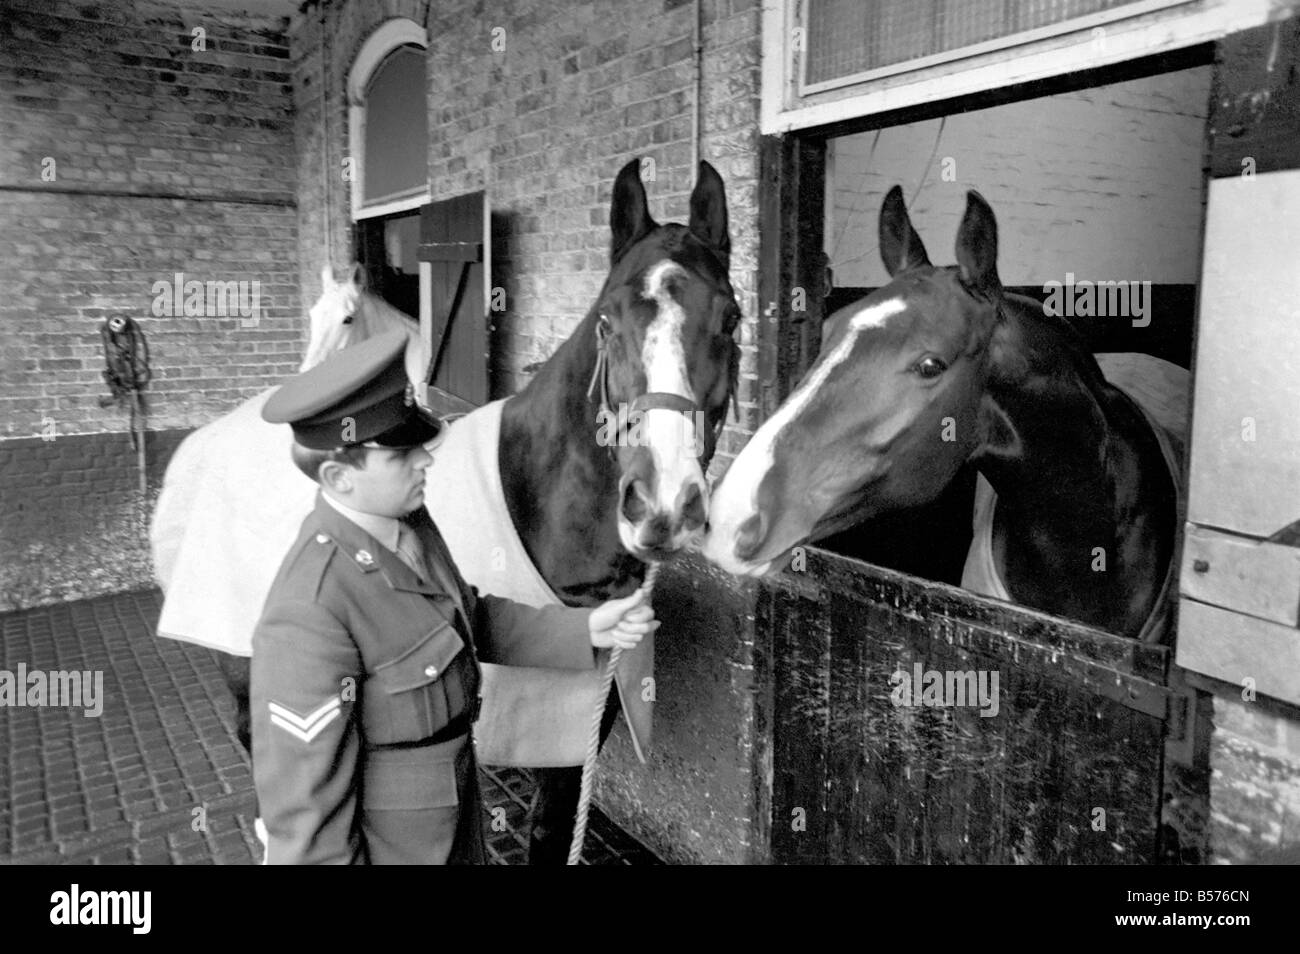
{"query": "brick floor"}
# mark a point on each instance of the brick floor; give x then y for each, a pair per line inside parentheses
(159, 776)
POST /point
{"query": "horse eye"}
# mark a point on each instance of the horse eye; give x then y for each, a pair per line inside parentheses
(930, 367)
(604, 322)
(731, 320)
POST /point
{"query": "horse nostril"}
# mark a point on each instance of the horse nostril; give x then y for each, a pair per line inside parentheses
(694, 512)
(654, 533)
(750, 536)
(635, 495)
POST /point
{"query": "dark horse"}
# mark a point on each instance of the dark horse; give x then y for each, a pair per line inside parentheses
(589, 515)
(590, 510)
(940, 368)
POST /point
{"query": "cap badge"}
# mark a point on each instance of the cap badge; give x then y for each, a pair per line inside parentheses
(409, 397)
(364, 558)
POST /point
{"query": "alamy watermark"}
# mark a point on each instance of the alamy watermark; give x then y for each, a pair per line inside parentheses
(181, 298)
(83, 689)
(946, 689)
(1101, 299)
(627, 428)
(74, 906)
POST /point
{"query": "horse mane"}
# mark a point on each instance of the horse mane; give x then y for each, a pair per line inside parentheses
(1069, 339)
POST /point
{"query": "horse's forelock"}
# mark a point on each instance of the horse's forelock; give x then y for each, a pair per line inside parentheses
(670, 241)
(691, 251)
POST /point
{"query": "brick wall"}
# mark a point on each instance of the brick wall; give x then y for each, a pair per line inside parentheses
(128, 155)
(71, 516)
(543, 123)
(1254, 782)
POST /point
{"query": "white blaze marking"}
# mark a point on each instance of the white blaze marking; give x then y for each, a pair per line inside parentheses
(734, 500)
(670, 434)
(662, 353)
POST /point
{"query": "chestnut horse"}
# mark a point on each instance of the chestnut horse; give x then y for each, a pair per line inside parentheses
(940, 368)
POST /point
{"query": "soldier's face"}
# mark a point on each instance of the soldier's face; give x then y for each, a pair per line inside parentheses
(392, 482)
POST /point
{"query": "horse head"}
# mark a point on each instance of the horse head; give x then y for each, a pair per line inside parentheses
(330, 325)
(894, 405)
(348, 313)
(666, 359)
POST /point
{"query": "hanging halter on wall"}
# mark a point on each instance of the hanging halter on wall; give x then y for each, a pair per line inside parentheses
(126, 359)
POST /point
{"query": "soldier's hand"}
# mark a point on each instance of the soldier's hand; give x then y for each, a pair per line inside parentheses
(623, 622)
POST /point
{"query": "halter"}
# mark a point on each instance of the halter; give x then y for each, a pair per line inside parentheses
(651, 399)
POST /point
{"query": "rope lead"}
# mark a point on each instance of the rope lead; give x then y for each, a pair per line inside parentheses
(593, 740)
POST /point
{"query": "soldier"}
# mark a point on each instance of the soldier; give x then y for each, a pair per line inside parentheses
(365, 661)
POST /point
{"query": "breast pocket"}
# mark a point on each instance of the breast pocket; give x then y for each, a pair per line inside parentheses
(406, 699)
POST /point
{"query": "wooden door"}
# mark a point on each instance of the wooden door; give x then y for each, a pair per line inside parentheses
(454, 256)
(1062, 763)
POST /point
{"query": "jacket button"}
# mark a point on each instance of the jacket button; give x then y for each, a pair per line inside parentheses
(321, 538)
(431, 671)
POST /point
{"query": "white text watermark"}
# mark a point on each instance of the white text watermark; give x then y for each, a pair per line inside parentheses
(75, 906)
(1100, 299)
(180, 298)
(83, 689)
(945, 689)
(629, 428)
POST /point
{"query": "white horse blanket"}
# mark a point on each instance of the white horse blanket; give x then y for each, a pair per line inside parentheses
(1160, 390)
(231, 505)
(534, 717)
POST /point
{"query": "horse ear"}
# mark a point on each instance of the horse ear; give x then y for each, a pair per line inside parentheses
(709, 211)
(629, 216)
(327, 277)
(413, 359)
(357, 275)
(977, 245)
(900, 246)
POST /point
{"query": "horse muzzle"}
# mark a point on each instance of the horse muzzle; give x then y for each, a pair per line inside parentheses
(651, 528)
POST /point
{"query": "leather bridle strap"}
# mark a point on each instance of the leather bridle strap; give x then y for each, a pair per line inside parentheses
(651, 400)
(665, 400)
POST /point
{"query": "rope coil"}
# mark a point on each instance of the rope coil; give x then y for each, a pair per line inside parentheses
(593, 739)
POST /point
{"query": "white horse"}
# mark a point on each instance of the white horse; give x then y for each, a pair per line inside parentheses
(232, 501)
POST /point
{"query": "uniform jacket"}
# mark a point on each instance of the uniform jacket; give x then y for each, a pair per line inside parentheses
(358, 665)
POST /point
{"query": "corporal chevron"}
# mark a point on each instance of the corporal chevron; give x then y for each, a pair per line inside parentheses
(309, 726)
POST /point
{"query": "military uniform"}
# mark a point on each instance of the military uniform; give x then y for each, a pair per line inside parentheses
(365, 671)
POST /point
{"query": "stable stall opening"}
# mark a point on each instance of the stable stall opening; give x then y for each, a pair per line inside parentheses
(1099, 199)
(1073, 744)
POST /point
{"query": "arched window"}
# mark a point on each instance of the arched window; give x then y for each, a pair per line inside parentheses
(388, 121)
(388, 132)
(430, 260)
